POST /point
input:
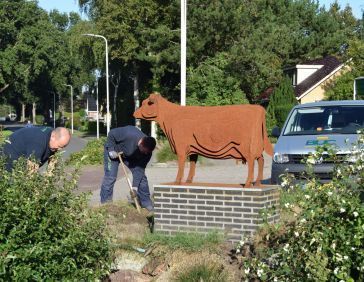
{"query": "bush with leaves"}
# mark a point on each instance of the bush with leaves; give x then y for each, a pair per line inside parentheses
(92, 154)
(281, 102)
(47, 233)
(325, 239)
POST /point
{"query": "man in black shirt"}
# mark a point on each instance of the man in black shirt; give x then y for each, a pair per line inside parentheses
(39, 143)
(136, 149)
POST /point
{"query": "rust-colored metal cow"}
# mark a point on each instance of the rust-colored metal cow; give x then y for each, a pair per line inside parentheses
(221, 132)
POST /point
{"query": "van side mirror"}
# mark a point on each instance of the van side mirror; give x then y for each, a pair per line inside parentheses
(276, 131)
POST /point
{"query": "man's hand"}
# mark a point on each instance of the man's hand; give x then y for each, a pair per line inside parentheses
(113, 155)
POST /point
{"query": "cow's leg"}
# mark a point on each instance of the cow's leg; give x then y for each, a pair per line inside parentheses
(191, 174)
(181, 167)
(258, 182)
(249, 179)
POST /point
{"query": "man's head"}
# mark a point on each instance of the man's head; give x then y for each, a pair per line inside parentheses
(146, 145)
(60, 137)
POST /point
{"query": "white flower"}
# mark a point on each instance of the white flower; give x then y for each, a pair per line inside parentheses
(342, 210)
(336, 270)
(307, 196)
(329, 193)
(346, 257)
(303, 220)
(285, 248)
(296, 234)
(260, 272)
(355, 214)
(333, 245)
(353, 248)
(275, 279)
(247, 270)
(237, 251)
(286, 205)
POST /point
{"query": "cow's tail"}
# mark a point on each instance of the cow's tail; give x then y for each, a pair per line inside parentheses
(268, 148)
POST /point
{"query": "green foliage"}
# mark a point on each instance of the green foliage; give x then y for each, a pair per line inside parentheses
(92, 154)
(211, 85)
(4, 134)
(203, 272)
(165, 154)
(47, 233)
(92, 127)
(281, 102)
(185, 241)
(342, 87)
(325, 239)
(39, 119)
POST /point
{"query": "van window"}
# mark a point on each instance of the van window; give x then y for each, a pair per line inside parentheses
(325, 120)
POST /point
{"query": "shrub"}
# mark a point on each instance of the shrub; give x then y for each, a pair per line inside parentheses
(165, 153)
(92, 154)
(91, 127)
(39, 119)
(4, 134)
(325, 239)
(47, 233)
(281, 102)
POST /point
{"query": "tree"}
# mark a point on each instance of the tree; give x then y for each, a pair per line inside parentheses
(281, 102)
(211, 85)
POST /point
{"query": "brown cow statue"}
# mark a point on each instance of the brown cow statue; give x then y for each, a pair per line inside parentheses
(219, 132)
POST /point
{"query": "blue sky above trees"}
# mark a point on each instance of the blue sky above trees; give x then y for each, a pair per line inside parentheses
(72, 5)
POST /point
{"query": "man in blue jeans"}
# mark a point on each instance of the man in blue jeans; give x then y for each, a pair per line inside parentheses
(136, 150)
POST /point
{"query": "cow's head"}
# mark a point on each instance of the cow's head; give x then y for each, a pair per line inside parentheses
(149, 108)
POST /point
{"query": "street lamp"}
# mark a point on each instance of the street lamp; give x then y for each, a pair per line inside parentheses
(71, 106)
(107, 80)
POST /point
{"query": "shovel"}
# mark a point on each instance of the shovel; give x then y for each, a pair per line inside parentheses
(132, 192)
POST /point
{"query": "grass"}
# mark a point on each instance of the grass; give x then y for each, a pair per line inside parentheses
(185, 241)
(4, 134)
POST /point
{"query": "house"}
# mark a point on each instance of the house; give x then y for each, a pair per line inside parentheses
(91, 107)
(310, 78)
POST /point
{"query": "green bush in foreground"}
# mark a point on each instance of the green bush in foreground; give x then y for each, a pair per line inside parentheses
(47, 233)
(92, 154)
(325, 239)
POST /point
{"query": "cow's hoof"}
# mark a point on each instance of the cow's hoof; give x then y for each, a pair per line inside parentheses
(178, 182)
(189, 181)
(247, 185)
(258, 184)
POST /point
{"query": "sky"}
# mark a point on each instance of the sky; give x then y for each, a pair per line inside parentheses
(71, 5)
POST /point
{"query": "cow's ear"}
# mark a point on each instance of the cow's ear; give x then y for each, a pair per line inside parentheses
(151, 101)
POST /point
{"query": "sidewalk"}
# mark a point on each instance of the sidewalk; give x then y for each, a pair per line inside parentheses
(211, 171)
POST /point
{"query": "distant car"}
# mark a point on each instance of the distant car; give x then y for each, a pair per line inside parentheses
(11, 117)
(312, 124)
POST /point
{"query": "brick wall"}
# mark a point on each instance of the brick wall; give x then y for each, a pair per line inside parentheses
(204, 208)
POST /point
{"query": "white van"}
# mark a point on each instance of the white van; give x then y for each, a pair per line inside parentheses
(313, 124)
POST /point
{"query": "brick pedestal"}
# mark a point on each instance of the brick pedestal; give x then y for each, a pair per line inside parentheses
(203, 207)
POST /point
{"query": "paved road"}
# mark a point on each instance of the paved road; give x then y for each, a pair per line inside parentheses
(219, 171)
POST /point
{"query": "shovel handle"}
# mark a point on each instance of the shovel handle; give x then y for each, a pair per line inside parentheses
(129, 184)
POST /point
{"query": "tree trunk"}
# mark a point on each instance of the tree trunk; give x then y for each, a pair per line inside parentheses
(115, 80)
(136, 99)
(22, 119)
(34, 112)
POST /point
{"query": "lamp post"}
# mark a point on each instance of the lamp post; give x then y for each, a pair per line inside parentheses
(107, 79)
(71, 106)
(183, 50)
(97, 107)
